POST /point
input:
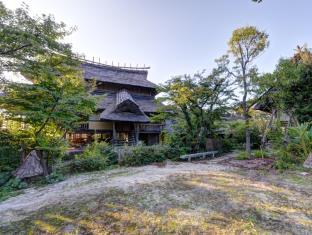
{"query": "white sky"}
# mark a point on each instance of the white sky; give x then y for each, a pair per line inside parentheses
(176, 36)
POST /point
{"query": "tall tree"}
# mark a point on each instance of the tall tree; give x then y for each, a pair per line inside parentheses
(198, 101)
(56, 99)
(245, 45)
(292, 83)
(23, 38)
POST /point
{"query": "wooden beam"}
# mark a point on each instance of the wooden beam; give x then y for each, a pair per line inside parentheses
(114, 131)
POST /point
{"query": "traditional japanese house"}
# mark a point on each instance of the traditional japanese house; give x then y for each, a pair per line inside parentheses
(127, 101)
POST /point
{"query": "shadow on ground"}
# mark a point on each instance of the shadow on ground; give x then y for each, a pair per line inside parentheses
(248, 202)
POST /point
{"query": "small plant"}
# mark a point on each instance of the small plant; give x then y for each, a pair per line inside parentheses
(12, 188)
(260, 154)
(293, 151)
(54, 177)
(243, 155)
(94, 150)
(285, 160)
(16, 184)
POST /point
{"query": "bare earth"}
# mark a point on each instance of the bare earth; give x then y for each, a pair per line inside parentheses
(205, 197)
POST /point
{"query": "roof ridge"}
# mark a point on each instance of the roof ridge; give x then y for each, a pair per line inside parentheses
(130, 68)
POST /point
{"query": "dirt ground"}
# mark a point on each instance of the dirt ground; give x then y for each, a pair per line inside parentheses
(207, 197)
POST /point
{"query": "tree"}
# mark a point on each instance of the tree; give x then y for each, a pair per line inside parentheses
(245, 45)
(23, 38)
(56, 99)
(292, 83)
(197, 102)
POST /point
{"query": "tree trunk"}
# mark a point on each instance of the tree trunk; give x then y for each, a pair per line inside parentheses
(248, 142)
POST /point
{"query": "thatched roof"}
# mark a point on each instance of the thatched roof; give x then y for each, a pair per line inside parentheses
(146, 103)
(123, 108)
(113, 74)
(265, 102)
(30, 167)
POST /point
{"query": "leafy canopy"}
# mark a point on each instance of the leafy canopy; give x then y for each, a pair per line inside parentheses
(56, 99)
(247, 43)
(292, 84)
(196, 103)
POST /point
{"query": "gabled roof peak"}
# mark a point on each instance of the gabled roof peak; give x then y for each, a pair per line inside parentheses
(116, 75)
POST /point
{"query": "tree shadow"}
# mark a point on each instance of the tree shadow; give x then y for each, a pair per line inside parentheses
(210, 203)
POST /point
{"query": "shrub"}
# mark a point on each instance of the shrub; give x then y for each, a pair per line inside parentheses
(227, 145)
(9, 154)
(12, 188)
(143, 155)
(236, 134)
(285, 160)
(242, 156)
(260, 154)
(88, 164)
(96, 156)
(295, 149)
(4, 177)
(54, 177)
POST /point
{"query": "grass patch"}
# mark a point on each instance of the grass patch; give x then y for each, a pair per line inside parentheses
(242, 155)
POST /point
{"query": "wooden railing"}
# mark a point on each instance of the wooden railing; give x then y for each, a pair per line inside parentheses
(84, 126)
(151, 127)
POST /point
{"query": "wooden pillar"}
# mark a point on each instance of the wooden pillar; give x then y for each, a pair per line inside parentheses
(136, 132)
(114, 131)
(159, 139)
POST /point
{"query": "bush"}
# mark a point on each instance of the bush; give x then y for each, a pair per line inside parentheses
(295, 149)
(88, 164)
(143, 155)
(54, 177)
(11, 188)
(96, 157)
(9, 152)
(227, 145)
(236, 135)
(260, 154)
(242, 156)
(285, 160)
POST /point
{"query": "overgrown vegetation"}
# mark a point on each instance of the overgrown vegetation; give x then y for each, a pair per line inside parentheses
(97, 156)
(38, 113)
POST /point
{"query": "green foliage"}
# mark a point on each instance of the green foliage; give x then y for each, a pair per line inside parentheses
(88, 164)
(97, 156)
(285, 160)
(260, 154)
(300, 140)
(291, 83)
(93, 150)
(25, 38)
(227, 145)
(9, 154)
(196, 103)
(235, 134)
(12, 188)
(296, 147)
(56, 99)
(54, 177)
(143, 155)
(242, 155)
(245, 45)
